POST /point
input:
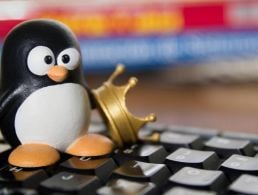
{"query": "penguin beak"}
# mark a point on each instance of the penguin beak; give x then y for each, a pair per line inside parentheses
(57, 73)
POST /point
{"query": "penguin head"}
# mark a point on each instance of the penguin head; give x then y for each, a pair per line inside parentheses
(40, 53)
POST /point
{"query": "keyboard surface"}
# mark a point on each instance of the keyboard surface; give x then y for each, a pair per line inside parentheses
(182, 161)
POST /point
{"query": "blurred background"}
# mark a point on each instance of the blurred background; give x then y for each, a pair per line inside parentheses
(196, 60)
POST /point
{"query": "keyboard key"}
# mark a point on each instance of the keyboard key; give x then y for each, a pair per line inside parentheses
(187, 191)
(16, 176)
(225, 147)
(125, 187)
(142, 172)
(5, 150)
(154, 127)
(238, 164)
(256, 150)
(204, 133)
(183, 157)
(101, 167)
(199, 178)
(145, 153)
(245, 184)
(241, 135)
(18, 191)
(70, 183)
(172, 141)
(4, 157)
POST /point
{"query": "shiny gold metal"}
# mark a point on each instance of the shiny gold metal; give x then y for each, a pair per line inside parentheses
(122, 125)
(154, 137)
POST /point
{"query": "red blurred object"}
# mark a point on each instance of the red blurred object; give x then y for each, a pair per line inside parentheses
(7, 25)
(204, 16)
(102, 19)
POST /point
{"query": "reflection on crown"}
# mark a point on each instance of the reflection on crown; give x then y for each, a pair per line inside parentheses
(122, 125)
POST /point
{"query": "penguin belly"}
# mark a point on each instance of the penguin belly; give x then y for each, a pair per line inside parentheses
(54, 115)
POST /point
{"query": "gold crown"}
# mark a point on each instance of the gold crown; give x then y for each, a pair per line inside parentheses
(122, 125)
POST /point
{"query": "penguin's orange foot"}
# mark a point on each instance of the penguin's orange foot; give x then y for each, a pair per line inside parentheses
(91, 145)
(33, 155)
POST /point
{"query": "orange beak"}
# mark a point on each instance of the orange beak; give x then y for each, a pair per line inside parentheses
(57, 73)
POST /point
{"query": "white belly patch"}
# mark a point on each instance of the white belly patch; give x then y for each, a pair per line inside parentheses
(55, 115)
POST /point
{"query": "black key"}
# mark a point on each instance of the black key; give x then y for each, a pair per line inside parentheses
(183, 157)
(18, 191)
(245, 184)
(199, 179)
(145, 153)
(125, 187)
(238, 164)
(204, 133)
(187, 191)
(70, 183)
(242, 136)
(151, 131)
(101, 167)
(154, 127)
(225, 147)
(143, 172)
(172, 141)
(256, 150)
(4, 157)
(16, 176)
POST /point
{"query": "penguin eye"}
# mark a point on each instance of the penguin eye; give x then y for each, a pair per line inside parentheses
(40, 59)
(69, 58)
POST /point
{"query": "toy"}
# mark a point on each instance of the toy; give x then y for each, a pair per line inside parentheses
(45, 104)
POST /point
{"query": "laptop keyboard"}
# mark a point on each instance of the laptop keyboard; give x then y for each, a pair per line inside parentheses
(182, 161)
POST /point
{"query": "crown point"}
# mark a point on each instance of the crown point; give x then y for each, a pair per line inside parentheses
(151, 117)
(120, 68)
(133, 81)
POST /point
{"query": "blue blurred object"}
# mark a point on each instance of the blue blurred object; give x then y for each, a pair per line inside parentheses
(155, 52)
(159, 51)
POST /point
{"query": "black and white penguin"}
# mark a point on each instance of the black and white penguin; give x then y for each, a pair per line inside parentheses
(45, 104)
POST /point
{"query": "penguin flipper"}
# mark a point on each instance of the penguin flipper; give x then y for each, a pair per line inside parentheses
(92, 99)
(91, 96)
(7, 99)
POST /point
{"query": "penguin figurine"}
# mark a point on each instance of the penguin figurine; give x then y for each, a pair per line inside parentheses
(45, 106)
